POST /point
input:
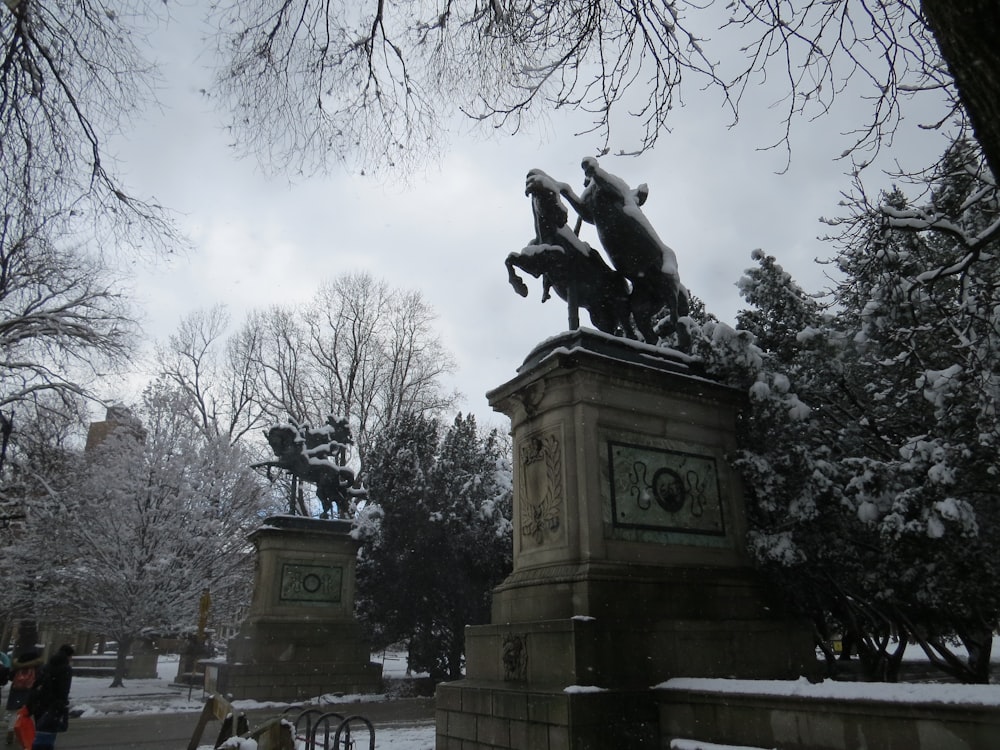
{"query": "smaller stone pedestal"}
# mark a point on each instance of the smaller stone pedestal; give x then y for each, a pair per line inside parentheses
(193, 654)
(300, 639)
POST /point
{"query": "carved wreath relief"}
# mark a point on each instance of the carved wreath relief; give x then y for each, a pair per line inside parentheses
(541, 488)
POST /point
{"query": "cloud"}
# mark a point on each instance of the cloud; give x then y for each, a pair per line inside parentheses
(714, 196)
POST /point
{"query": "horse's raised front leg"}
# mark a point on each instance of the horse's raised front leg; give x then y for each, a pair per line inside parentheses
(515, 281)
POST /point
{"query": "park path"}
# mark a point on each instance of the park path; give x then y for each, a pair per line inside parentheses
(172, 731)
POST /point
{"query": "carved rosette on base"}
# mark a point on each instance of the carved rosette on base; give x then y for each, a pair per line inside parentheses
(300, 638)
(630, 564)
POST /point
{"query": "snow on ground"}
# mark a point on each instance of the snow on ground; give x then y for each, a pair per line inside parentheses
(405, 738)
(696, 745)
(91, 696)
(951, 693)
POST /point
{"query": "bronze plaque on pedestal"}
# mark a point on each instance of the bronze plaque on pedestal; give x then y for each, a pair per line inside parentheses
(656, 489)
(311, 583)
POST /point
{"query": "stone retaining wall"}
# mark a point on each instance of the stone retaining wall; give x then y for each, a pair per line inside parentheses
(483, 716)
(796, 722)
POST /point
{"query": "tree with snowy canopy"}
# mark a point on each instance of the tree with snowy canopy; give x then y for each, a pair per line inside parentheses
(871, 448)
(39, 464)
(439, 538)
(143, 523)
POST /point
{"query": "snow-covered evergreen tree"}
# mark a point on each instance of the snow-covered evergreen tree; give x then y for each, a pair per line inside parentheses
(442, 541)
(391, 524)
(873, 491)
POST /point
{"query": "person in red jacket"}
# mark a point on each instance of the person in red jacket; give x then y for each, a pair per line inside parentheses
(23, 673)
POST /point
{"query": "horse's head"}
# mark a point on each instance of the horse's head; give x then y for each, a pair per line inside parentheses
(602, 188)
(545, 201)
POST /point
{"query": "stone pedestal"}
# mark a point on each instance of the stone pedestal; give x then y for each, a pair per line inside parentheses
(630, 564)
(300, 638)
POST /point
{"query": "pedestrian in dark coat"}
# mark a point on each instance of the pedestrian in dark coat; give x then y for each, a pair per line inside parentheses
(4, 668)
(49, 699)
(24, 672)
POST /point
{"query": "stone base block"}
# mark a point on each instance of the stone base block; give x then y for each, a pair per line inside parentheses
(632, 593)
(273, 659)
(473, 715)
(586, 651)
(291, 681)
(582, 682)
(274, 640)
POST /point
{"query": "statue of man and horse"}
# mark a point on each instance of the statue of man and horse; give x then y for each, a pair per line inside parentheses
(643, 284)
(317, 456)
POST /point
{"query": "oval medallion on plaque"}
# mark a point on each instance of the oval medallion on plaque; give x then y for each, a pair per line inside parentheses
(668, 489)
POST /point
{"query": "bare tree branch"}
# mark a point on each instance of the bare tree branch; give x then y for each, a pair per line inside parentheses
(62, 320)
(71, 76)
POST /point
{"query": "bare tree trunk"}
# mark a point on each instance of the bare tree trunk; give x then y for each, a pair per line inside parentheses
(966, 35)
(121, 662)
(978, 642)
(27, 636)
(456, 654)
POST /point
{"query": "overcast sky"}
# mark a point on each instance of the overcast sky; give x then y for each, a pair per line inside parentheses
(713, 197)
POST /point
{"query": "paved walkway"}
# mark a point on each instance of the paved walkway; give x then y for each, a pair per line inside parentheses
(172, 731)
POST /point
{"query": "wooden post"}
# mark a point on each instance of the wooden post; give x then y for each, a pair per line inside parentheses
(216, 707)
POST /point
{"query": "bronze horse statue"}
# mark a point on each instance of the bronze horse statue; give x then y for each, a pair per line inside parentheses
(567, 264)
(633, 247)
(317, 456)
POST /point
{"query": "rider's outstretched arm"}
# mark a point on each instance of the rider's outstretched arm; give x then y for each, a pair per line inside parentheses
(581, 208)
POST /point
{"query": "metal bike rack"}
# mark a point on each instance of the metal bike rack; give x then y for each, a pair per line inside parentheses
(342, 739)
(314, 718)
(345, 727)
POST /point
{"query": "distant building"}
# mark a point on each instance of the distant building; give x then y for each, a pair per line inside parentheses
(117, 418)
